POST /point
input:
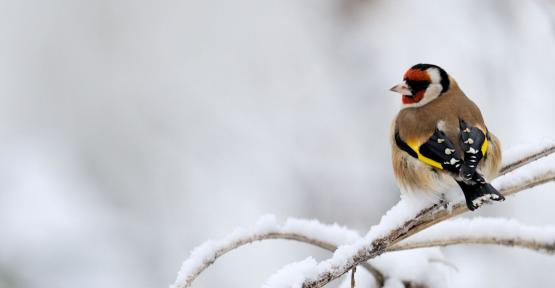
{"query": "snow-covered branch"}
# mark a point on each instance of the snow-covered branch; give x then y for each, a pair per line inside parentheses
(385, 236)
(308, 231)
(408, 217)
(525, 154)
(479, 230)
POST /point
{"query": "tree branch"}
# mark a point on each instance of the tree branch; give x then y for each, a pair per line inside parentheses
(206, 254)
(378, 240)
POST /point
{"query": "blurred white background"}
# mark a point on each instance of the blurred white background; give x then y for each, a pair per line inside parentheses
(131, 131)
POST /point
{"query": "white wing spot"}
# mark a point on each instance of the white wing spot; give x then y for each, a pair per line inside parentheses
(472, 150)
(469, 141)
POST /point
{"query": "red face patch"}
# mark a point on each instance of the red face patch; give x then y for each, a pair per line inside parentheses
(416, 75)
(413, 99)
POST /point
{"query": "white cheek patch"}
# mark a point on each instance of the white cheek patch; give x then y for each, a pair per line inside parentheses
(434, 75)
(431, 93)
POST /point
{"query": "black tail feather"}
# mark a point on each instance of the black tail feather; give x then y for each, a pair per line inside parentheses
(477, 193)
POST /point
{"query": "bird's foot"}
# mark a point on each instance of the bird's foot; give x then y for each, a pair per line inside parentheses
(483, 194)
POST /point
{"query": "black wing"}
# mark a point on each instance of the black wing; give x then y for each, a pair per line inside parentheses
(474, 143)
(438, 151)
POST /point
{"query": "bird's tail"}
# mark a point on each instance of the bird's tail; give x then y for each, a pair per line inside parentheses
(479, 192)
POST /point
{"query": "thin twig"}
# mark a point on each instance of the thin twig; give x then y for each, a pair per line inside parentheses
(483, 230)
(353, 277)
(523, 243)
(527, 159)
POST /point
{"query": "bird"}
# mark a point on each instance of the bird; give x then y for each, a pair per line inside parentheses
(439, 140)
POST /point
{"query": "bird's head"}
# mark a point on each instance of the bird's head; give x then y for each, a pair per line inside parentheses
(422, 83)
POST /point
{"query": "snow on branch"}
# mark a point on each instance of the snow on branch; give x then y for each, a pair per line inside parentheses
(497, 231)
(308, 231)
(524, 154)
(329, 237)
(460, 231)
(408, 217)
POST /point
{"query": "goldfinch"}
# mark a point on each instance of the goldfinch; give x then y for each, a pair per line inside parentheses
(439, 139)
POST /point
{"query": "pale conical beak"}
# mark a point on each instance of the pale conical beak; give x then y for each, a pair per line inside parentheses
(403, 89)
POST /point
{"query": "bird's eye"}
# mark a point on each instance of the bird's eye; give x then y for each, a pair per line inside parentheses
(418, 85)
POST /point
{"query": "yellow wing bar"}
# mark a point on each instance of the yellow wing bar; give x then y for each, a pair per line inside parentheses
(416, 148)
(485, 146)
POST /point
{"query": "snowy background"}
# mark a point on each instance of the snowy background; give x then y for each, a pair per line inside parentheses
(132, 131)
